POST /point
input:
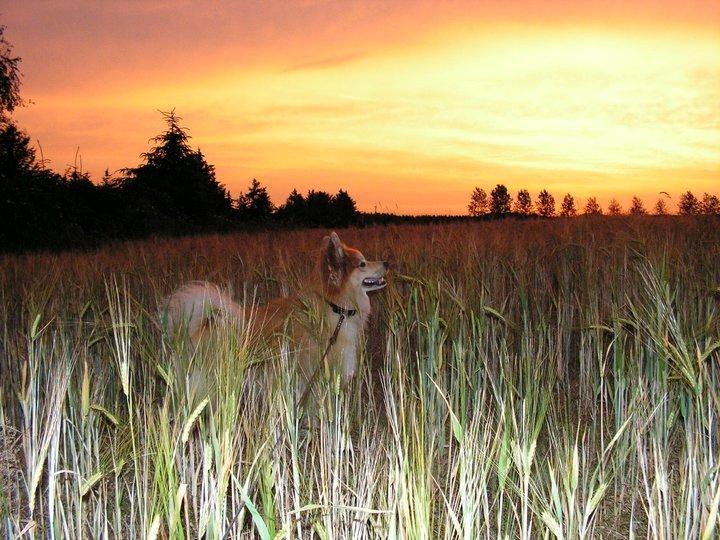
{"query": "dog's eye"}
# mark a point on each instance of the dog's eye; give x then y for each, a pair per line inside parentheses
(362, 264)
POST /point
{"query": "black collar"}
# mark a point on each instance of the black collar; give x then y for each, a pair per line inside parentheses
(343, 312)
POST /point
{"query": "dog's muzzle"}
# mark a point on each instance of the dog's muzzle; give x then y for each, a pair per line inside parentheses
(374, 282)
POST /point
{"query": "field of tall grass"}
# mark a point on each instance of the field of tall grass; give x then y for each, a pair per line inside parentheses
(521, 379)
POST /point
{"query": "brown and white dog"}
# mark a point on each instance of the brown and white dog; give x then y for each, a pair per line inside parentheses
(345, 278)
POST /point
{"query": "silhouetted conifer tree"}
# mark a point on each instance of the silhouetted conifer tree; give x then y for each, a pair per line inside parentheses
(293, 210)
(318, 205)
(255, 205)
(31, 196)
(17, 158)
(176, 183)
(344, 209)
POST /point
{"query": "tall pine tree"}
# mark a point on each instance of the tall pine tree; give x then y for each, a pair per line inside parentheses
(177, 182)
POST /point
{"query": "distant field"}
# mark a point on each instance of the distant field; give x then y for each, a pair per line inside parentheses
(522, 379)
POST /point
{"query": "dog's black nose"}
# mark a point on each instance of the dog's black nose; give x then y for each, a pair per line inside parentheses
(386, 264)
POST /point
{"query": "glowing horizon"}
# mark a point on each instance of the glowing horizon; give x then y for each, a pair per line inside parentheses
(407, 109)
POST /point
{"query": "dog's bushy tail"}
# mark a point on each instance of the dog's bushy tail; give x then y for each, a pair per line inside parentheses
(194, 305)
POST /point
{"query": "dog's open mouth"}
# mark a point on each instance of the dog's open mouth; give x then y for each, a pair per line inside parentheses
(374, 282)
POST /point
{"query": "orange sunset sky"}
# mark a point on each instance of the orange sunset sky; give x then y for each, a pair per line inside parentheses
(406, 104)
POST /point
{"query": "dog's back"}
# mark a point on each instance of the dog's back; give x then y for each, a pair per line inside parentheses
(195, 305)
(192, 306)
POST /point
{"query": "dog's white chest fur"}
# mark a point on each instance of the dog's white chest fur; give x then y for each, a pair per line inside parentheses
(346, 349)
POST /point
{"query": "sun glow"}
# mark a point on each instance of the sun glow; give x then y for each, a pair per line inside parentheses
(413, 126)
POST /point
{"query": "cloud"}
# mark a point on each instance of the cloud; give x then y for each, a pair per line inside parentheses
(326, 63)
(424, 97)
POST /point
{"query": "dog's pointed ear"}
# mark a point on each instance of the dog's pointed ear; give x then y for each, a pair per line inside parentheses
(334, 252)
(333, 259)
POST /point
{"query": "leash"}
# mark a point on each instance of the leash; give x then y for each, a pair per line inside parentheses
(333, 338)
(343, 313)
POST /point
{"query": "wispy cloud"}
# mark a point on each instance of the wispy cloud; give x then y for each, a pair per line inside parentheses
(327, 62)
(416, 97)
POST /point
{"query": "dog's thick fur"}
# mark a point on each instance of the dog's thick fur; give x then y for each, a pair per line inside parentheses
(345, 278)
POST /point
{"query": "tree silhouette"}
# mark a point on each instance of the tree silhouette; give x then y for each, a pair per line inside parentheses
(688, 205)
(294, 208)
(592, 208)
(173, 190)
(17, 157)
(567, 209)
(31, 197)
(637, 208)
(478, 203)
(110, 180)
(255, 205)
(318, 208)
(660, 208)
(710, 205)
(175, 181)
(523, 203)
(546, 204)
(614, 208)
(9, 77)
(29, 202)
(500, 200)
(344, 209)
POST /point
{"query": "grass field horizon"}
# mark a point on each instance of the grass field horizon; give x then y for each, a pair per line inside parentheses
(521, 379)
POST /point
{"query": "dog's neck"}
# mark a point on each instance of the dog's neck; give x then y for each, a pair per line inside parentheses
(341, 310)
(358, 306)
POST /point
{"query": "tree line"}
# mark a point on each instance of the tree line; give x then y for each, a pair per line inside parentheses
(173, 190)
(501, 203)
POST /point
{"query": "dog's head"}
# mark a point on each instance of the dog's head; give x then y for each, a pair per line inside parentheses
(345, 269)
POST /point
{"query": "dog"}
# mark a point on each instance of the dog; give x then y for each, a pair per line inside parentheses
(339, 292)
